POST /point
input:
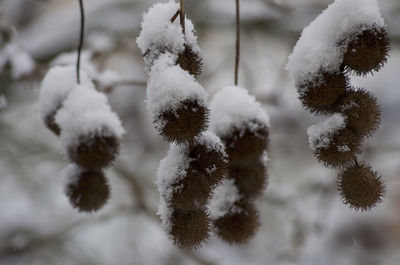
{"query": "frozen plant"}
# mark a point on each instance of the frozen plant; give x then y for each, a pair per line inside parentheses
(348, 37)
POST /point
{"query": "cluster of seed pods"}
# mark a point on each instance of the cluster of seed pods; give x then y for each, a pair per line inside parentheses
(89, 132)
(354, 115)
(196, 161)
(241, 123)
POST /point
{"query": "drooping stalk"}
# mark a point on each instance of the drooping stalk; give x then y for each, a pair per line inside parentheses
(81, 39)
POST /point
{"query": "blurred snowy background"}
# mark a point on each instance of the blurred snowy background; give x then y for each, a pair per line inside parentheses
(302, 218)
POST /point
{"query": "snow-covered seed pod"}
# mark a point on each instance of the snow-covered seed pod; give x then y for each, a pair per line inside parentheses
(192, 192)
(341, 151)
(360, 187)
(90, 130)
(94, 150)
(160, 35)
(241, 123)
(191, 60)
(177, 103)
(208, 156)
(239, 225)
(183, 122)
(55, 87)
(248, 142)
(320, 95)
(362, 111)
(368, 50)
(189, 229)
(332, 143)
(250, 177)
(87, 190)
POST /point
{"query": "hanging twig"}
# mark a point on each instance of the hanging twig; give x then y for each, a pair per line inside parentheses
(237, 54)
(81, 39)
(182, 16)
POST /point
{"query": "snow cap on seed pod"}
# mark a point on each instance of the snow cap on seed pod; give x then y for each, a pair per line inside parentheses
(321, 48)
(56, 85)
(332, 143)
(360, 187)
(90, 130)
(177, 103)
(241, 123)
(362, 111)
(87, 190)
(159, 35)
(319, 96)
(367, 49)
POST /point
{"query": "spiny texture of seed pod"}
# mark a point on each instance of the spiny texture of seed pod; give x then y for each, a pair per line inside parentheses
(362, 111)
(341, 150)
(208, 156)
(55, 87)
(320, 95)
(183, 122)
(161, 35)
(189, 229)
(250, 177)
(87, 190)
(367, 51)
(239, 225)
(332, 143)
(248, 142)
(177, 103)
(361, 187)
(95, 150)
(192, 192)
(191, 60)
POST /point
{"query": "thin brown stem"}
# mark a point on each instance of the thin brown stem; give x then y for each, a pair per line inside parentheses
(237, 53)
(182, 17)
(81, 39)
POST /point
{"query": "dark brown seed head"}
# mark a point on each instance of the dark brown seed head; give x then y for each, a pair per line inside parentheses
(190, 61)
(51, 124)
(341, 150)
(361, 187)
(192, 192)
(248, 142)
(95, 151)
(250, 177)
(88, 191)
(238, 226)
(210, 159)
(183, 124)
(368, 51)
(320, 96)
(362, 112)
(189, 228)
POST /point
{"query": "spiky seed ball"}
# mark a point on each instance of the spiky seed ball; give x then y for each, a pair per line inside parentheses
(361, 187)
(239, 225)
(50, 122)
(208, 160)
(321, 97)
(189, 228)
(341, 150)
(250, 177)
(183, 124)
(95, 151)
(362, 112)
(192, 192)
(246, 143)
(88, 191)
(190, 61)
(368, 51)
